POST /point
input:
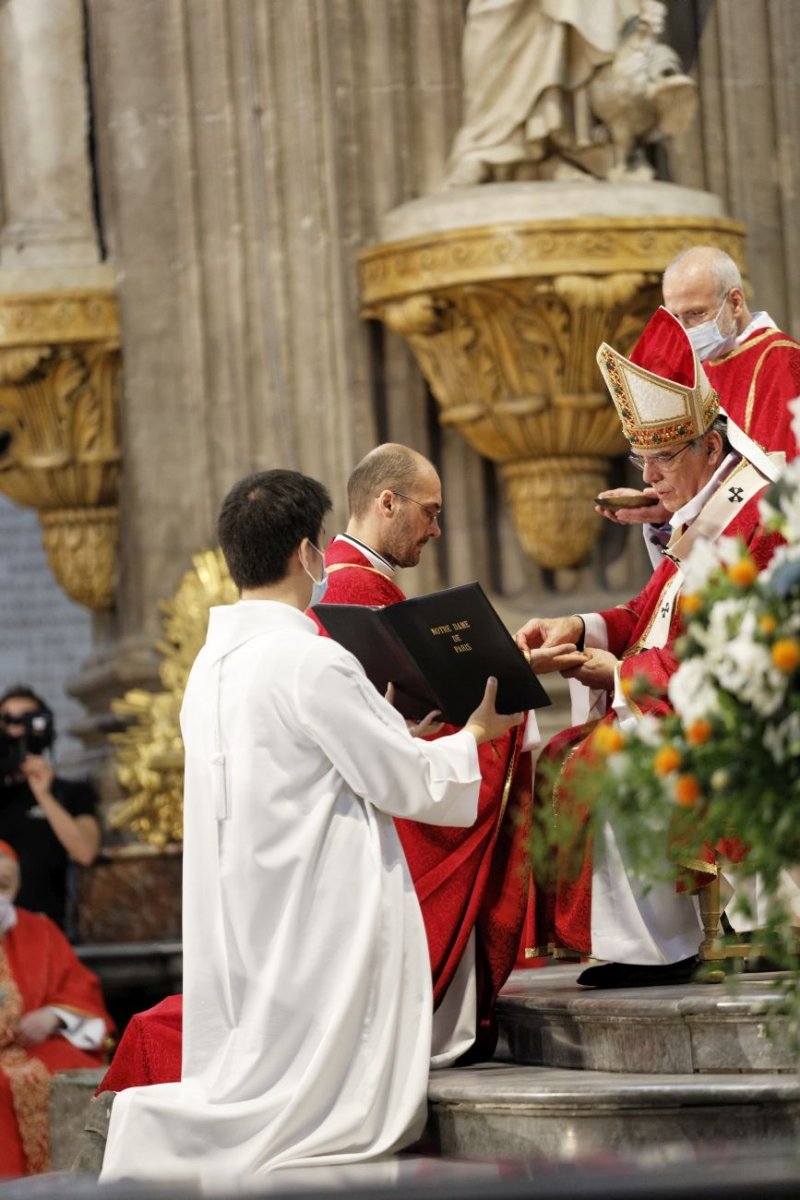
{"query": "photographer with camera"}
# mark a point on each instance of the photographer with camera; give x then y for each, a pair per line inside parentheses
(49, 821)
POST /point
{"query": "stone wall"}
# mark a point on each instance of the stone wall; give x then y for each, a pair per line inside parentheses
(743, 145)
(45, 638)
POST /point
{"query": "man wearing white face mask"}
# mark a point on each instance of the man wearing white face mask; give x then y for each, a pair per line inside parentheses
(752, 365)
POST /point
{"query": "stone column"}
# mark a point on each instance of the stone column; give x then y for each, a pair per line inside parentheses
(743, 145)
(245, 152)
(44, 130)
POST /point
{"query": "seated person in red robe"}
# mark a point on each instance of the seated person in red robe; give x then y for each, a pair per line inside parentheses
(52, 1018)
(709, 477)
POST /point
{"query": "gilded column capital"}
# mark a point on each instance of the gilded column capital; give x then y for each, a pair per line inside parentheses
(59, 433)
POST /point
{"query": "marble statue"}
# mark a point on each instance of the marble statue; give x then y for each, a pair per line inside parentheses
(566, 89)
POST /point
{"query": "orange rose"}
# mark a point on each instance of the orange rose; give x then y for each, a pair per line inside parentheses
(666, 760)
(743, 573)
(786, 655)
(687, 791)
(691, 604)
(698, 732)
(607, 739)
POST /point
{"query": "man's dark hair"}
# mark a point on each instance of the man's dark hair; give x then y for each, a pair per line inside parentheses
(389, 466)
(21, 691)
(718, 425)
(262, 521)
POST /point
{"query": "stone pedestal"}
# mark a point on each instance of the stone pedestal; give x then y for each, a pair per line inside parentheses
(548, 1021)
(131, 895)
(593, 1072)
(72, 1111)
(48, 212)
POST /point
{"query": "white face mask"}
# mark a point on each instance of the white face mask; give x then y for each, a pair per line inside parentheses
(319, 586)
(7, 913)
(708, 339)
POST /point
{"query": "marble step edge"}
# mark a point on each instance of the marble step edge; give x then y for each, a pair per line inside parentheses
(515, 1088)
(645, 1004)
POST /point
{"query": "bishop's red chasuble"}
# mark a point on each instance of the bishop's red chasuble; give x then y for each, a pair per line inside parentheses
(566, 912)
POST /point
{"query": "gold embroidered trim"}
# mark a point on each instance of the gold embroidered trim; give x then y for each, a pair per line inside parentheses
(751, 395)
(698, 864)
(28, 1078)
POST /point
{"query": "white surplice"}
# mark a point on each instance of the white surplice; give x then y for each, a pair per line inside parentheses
(307, 982)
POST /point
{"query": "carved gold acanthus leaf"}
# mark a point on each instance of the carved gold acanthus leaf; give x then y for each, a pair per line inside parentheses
(59, 429)
(81, 546)
(149, 757)
(17, 362)
(552, 500)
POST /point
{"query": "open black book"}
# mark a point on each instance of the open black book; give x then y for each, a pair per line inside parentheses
(438, 651)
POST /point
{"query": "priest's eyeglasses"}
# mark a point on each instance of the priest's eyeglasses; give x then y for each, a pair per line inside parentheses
(656, 460)
(432, 511)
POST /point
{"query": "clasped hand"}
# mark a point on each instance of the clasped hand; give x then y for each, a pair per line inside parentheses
(551, 643)
(37, 1026)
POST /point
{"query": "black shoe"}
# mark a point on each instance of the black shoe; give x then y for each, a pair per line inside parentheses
(625, 975)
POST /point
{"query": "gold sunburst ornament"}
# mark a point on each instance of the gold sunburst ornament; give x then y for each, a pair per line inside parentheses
(149, 759)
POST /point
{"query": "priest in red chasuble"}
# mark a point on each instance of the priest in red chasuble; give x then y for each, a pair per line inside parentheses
(709, 477)
(750, 363)
(472, 884)
(52, 1018)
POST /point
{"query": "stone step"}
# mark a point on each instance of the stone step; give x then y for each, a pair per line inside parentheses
(546, 1019)
(500, 1109)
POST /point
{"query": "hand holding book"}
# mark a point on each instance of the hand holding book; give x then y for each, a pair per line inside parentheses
(486, 723)
(429, 724)
(438, 651)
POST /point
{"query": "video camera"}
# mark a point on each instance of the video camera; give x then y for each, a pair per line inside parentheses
(37, 736)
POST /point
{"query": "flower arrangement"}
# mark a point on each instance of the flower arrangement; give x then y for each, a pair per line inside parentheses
(725, 763)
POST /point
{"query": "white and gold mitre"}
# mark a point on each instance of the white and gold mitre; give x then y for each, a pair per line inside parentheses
(661, 392)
